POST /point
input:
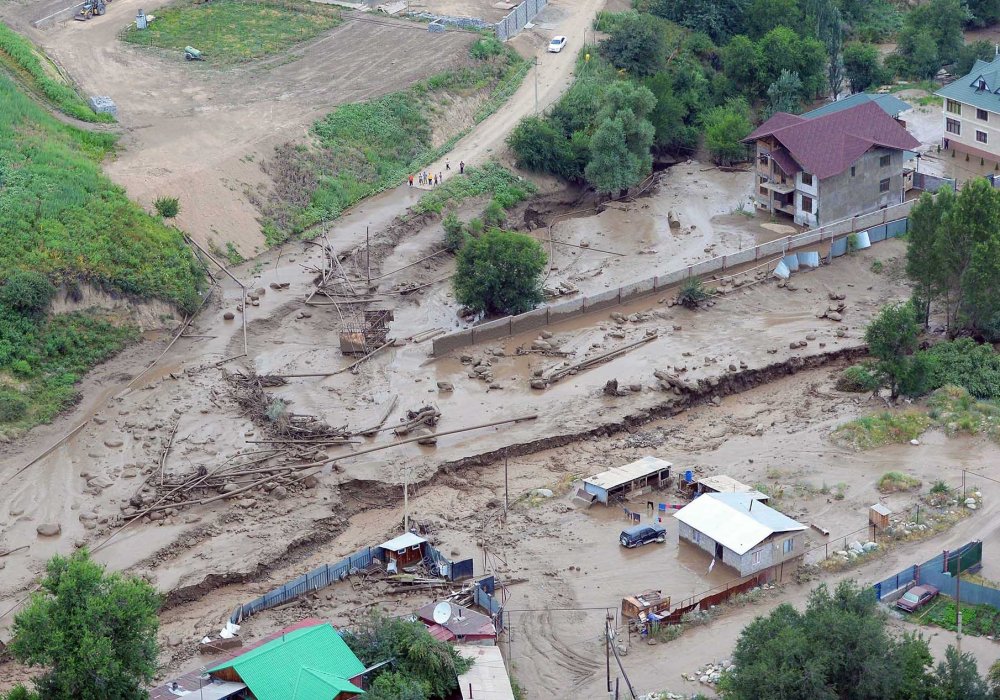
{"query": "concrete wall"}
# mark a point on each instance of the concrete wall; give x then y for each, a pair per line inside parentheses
(845, 195)
(893, 217)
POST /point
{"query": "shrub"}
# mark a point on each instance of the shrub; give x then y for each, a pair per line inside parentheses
(897, 481)
(494, 214)
(500, 272)
(486, 47)
(454, 232)
(857, 378)
(692, 293)
(940, 487)
(882, 429)
(13, 406)
(167, 207)
(27, 291)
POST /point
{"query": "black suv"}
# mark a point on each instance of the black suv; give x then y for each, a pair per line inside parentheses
(641, 534)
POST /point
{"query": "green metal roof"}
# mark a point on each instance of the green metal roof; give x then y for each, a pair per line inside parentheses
(967, 88)
(317, 685)
(273, 670)
(890, 104)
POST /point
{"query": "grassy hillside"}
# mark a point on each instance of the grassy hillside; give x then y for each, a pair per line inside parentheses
(63, 222)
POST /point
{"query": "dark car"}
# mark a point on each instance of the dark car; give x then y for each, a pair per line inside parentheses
(917, 597)
(641, 534)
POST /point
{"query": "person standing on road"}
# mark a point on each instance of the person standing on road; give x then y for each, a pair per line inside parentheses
(440, 177)
(411, 180)
(461, 167)
(447, 164)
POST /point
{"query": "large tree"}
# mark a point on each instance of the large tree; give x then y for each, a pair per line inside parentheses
(620, 155)
(923, 260)
(892, 340)
(94, 632)
(500, 273)
(720, 19)
(863, 66)
(837, 649)
(725, 128)
(783, 94)
(782, 49)
(635, 44)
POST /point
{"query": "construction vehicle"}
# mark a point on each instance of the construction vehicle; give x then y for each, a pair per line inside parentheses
(92, 8)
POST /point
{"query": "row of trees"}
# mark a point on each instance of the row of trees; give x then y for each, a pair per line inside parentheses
(953, 258)
(839, 647)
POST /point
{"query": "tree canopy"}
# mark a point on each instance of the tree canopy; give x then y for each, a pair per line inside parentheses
(94, 632)
(422, 668)
(500, 273)
(725, 128)
(839, 648)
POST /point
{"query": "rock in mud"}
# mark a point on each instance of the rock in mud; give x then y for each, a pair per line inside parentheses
(279, 492)
(810, 336)
(99, 482)
(229, 487)
(310, 482)
(278, 285)
(114, 442)
(49, 529)
(445, 386)
(229, 315)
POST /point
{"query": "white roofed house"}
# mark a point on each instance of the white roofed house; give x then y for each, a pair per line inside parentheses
(618, 483)
(741, 532)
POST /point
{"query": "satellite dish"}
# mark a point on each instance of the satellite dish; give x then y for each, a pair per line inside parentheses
(442, 612)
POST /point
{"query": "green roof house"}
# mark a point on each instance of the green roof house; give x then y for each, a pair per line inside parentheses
(313, 663)
(972, 111)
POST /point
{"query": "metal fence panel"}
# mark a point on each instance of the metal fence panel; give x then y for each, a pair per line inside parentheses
(896, 228)
(518, 18)
(877, 234)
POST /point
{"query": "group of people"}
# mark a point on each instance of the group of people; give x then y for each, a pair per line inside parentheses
(434, 179)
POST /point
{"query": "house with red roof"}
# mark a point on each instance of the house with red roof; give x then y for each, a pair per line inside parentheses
(832, 166)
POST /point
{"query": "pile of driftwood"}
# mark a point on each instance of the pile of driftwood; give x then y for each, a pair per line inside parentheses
(273, 416)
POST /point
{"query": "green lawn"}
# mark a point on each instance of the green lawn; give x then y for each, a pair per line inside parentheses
(231, 31)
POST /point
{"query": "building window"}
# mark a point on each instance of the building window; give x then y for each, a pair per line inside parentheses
(982, 115)
(884, 161)
(883, 185)
(852, 171)
(807, 204)
(763, 191)
(980, 136)
(954, 107)
(788, 545)
(952, 126)
(755, 558)
(807, 179)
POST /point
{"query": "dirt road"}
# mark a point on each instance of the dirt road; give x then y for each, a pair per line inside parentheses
(553, 75)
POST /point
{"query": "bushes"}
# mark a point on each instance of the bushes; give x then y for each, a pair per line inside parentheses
(454, 233)
(507, 189)
(725, 129)
(167, 207)
(27, 291)
(882, 429)
(27, 59)
(897, 481)
(692, 293)
(857, 379)
(13, 406)
(499, 273)
(964, 363)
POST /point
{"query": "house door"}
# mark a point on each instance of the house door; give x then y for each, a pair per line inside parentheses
(718, 551)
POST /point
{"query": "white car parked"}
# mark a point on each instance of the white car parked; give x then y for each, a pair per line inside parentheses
(557, 44)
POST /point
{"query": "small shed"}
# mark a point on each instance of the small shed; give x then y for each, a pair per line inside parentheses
(639, 476)
(641, 609)
(405, 550)
(878, 516)
(727, 484)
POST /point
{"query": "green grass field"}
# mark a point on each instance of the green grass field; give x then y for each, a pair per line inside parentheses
(233, 31)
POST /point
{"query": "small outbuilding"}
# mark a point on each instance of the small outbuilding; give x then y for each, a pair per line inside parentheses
(487, 678)
(635, 478)
(741, 532)
(878, 516)
(727, 484)
(405, 550)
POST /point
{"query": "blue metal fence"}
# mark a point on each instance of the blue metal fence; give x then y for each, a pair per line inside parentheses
(932, 572)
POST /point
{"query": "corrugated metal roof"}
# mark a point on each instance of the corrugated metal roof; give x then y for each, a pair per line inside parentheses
(271, 671)
(402, 542)
(313, 684)
(487, 679)
(966, 89)
(881, 509)
(617, 476)
(890, 104)
(727, 484)
(735, 520)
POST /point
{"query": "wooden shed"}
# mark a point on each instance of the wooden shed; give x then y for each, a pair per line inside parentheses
(878, 516)
(641, 609)
(405, 550)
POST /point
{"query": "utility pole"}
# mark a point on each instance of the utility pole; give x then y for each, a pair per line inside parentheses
(536, 86)
(368, 257)
(607, 653)
(506, 499)
(406, 500)
(958, 604)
